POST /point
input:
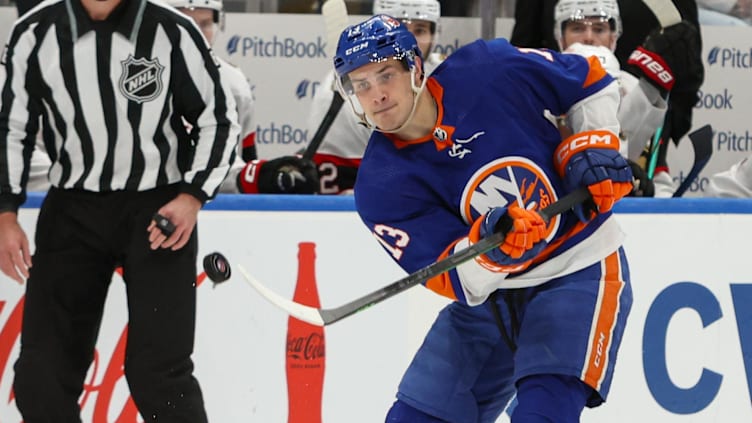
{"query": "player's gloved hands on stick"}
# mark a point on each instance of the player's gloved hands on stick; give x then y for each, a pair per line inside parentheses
(283, 175)
(591, 159)
(524, 240)
(667, 57)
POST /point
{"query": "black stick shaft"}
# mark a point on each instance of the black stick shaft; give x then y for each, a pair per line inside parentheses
(490, 242)
(324, 126)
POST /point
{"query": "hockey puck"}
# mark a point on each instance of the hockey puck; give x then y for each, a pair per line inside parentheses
(163, 224)
(217, 267)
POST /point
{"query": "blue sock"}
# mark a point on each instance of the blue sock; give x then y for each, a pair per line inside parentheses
(550, 399)
(403, 413)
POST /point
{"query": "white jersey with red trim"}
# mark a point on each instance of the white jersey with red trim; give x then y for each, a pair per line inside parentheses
(246, 105)
(735, 182)
(641, 113)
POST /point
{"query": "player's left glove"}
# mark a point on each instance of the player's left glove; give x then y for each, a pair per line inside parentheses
(668, 56)
(283, 175)
(524, 240)
(592, 159)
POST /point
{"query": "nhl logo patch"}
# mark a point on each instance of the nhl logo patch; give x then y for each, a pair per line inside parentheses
(141, 80)
(439, 134)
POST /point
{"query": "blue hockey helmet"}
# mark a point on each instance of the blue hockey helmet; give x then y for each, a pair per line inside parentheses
(377, 39)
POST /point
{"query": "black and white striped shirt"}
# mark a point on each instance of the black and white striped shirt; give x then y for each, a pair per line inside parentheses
(111, 95)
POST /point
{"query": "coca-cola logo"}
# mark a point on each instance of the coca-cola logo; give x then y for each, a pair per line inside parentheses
(310, 347)
(105, 392)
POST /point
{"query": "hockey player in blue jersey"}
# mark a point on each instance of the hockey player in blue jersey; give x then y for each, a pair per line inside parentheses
(543, 315)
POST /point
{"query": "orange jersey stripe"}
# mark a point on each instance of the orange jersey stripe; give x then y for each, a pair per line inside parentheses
(437, 91)
(442, 284)
(596, 72)
(607, 307)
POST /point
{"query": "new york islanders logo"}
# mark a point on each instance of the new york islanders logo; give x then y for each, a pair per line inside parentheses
(507, 180)
(141, 79)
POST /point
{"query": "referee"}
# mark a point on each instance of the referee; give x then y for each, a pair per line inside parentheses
(112, 81)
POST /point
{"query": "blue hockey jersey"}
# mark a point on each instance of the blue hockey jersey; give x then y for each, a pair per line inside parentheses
(493, 144)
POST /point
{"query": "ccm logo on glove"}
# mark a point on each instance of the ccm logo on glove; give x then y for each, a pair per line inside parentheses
(582, 141)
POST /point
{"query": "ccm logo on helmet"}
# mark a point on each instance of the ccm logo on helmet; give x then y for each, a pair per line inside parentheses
(355, 49)
(645, 61)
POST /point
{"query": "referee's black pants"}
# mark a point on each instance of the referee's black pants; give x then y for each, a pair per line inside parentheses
(81, 237)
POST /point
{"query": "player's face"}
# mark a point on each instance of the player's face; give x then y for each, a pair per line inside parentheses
(589, 31)
(384, 92)
(204, 19)
(422, 31)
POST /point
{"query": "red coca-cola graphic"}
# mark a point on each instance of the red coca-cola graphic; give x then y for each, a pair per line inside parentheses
(306, 352)
(101, 395)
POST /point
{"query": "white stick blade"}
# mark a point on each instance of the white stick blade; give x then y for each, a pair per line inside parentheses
(299, 311)
(665, 11)
(335, 21)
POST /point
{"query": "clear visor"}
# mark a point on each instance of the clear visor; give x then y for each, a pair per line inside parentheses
(371, 86)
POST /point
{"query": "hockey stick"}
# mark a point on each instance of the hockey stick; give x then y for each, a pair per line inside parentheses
(665, 11)
(667, 14)
(335, 21)
(325, 316)
(326, 123)
(702, 144)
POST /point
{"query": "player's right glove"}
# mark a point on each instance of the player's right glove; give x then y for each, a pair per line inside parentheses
(524, 240)
(283, 175)
(591, 159)
(668, 55)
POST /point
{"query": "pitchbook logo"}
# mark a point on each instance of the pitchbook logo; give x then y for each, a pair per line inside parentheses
(141, 80)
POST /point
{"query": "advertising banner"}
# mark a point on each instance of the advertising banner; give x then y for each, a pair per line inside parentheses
(284, 57)
(686, 355)
(725, 102)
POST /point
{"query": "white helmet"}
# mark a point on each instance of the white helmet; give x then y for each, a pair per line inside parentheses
(426, 10)
(567, 10)
(215, 5)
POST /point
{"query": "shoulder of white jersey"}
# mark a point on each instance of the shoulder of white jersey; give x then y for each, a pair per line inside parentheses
(232, 72)
(224, 62)
(627, 80)
(434, 59)
(607, 58)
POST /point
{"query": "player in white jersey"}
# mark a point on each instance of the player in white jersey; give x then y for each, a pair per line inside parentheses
(735, 182)
(209, 17)
(592, 28)
(336, 161)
